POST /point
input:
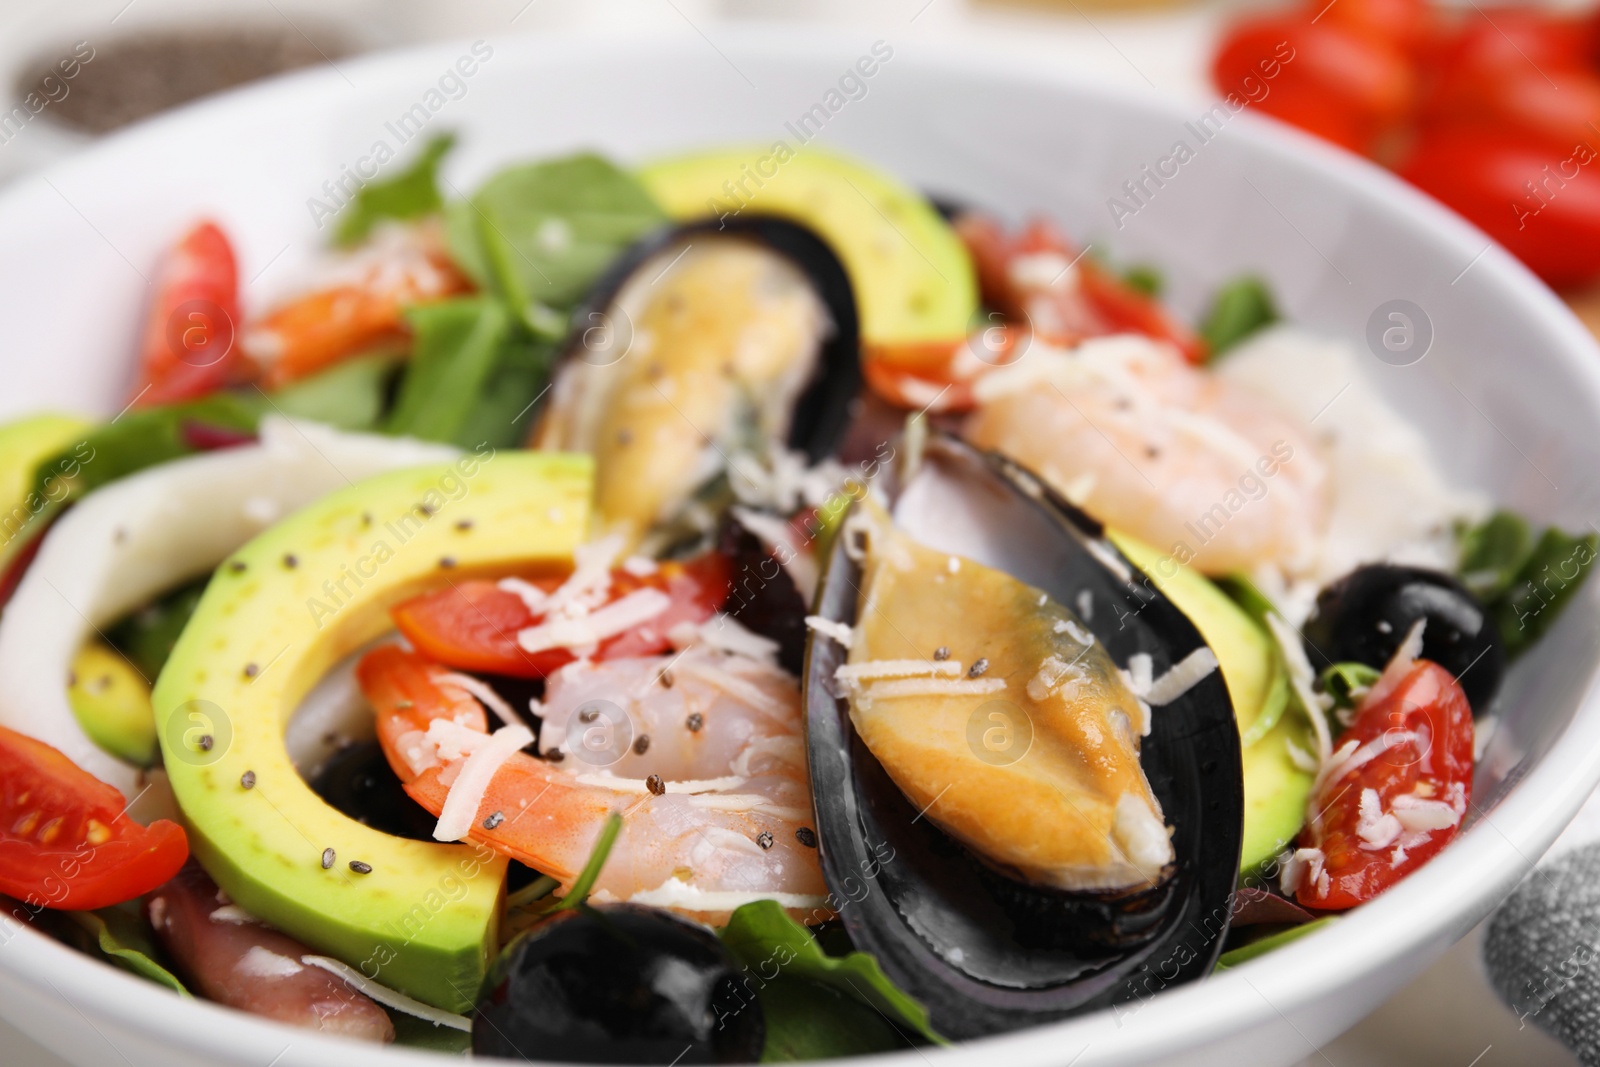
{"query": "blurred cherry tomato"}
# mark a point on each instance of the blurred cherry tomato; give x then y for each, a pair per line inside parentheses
(1561, 109)
(1347, 86)
(1493, 40)
(1410, 25)
(188, 347)
(1542, 203)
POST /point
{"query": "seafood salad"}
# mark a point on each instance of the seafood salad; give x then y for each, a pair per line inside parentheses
(601, 622)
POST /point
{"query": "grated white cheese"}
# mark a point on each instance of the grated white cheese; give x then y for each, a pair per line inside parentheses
(741, 690)
(674, 893)
(933, 687)
(840, 633)
(232, 913)
(482, 693)
(591, 573)
(1418, 814)
(466, 794)
(391, 998)
(1400, 664)
(532, 596)
(639, 566)
(1301, 680)
(853, 673)
(1053, 672)
(1086, 605)
(1183, 676)
(262, 962)
(1377, 828)
(641, 785)
(1304, 865)
(728, 634)
(615, 618)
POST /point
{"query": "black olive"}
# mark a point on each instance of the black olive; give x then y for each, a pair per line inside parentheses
(1365, 615)
(618, 983)
(358, 781)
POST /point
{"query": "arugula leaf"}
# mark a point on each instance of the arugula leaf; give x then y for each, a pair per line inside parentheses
(147, 636)
(413, 1032)
(504, 411)
(1545, 583)
(811, 1021)
(1342, 681)
(543, 232)
(1240, 308)
(1145, 278)
(458, 344)
(410, 194)
(773, 946)
(348, 396)
(1263, 945)
(122, 939)
(1493, 552)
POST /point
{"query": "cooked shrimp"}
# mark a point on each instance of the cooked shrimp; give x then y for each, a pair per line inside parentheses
(701, 753)
(1176, 456)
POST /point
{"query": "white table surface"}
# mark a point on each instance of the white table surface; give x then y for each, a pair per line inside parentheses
(1449, 1016)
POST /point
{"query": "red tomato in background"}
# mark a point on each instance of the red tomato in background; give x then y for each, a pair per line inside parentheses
(1410, 25)
(64, 840)
(1561, 108)
(1490, 177)
(1346, 85)
(1389, 814)
(188, 348)
(473, 626)
(1493, 40)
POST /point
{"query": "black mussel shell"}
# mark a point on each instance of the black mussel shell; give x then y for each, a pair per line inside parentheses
(943, 927)
(823, 408)
(1364, 616)
(764, 598)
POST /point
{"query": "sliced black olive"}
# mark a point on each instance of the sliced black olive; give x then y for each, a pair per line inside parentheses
(618, 984)
(358, 781)
(1365, 615)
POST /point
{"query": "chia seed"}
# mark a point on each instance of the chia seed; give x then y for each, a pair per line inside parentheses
(695, 722)
(641, 744)
(290, 561)
(656, 786)
(360, 867)
(941, 653)
(247, 780)
(447, 562)
(251, 670)
(494, 820)
(206, 741)
(764, 839)
(806, 836)
(328, 856)
(979, 665)
(238, 566)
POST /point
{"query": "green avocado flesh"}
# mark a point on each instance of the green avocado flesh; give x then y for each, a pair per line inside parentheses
(24, 445)
(912, 277)
(1275, 790)
(276, 617)
(111, 701)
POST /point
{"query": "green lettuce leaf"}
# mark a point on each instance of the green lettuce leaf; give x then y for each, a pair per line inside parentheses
(125, 941)
(1263, 945)
(408, 195)
(781, 958)
(1240, 308)
(458, 345)
(539, 234)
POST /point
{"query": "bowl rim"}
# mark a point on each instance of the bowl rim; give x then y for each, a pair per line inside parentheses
(1474, 874)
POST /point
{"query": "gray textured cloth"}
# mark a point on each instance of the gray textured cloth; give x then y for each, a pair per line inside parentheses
(1542, 951)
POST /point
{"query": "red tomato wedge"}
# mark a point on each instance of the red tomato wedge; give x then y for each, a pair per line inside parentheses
(188, 349)
(64, 840)
(1038, 284)
(473, 626)
(1395, 793)
(1063, 306)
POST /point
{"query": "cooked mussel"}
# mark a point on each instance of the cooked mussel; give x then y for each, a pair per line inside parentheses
(1006, 823)
(704, 348)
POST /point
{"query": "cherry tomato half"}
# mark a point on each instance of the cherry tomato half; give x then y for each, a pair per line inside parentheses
(188, 349)
(1542, 203)
(64, 840)
(1346, 86)
(473, 626)
(1400, 798)
(1560, 108)
(1410, 25)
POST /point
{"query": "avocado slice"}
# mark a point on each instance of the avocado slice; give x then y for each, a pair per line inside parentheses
(24, 445)
(111, 700)
(1275, 789)
(913, 279)
(276, 616)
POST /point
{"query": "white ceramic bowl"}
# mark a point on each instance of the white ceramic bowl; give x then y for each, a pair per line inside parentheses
(1510, 392)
